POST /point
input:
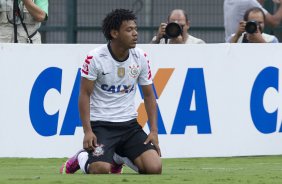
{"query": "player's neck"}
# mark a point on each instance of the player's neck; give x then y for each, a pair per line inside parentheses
(118, 52)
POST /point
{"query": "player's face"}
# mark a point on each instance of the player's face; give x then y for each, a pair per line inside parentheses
(128, 34)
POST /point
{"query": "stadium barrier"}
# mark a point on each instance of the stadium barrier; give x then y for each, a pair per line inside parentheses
(213, 100)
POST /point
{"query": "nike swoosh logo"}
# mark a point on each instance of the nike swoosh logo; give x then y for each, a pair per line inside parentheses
(105, 73)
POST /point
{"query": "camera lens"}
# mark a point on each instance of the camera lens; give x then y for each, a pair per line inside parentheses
(251, 27)
(173, 30)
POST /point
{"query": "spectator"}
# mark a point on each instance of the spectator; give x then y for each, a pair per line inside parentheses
(178, 16)
(234, 11)
(255, 18)
(22, 17)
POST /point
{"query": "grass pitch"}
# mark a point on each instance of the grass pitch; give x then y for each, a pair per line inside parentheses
(266, 169)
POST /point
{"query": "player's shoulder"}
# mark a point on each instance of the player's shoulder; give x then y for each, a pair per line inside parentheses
(138, 53)
(98, 52)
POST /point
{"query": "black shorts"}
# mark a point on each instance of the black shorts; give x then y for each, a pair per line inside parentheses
(125, 138)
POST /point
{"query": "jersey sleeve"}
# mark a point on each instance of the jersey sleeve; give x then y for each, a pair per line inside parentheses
(88, 68)
(145, 77)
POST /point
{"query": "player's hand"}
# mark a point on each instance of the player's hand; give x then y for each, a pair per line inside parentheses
(89, 141)
(153, 138)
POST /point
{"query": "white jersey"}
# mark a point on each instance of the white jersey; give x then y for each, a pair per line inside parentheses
(115, 86)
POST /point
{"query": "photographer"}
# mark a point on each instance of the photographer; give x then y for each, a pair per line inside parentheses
(250, 30)
(176, 30)
(21, 19)
(234, 10)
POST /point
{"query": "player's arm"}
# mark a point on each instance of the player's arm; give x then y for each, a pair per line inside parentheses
(86, 88)
(151, 109)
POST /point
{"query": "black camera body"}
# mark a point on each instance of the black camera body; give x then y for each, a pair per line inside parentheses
(173, 30)
(251, 27)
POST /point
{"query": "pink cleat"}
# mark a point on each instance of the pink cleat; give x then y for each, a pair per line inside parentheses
(116, 168)
(71, 165)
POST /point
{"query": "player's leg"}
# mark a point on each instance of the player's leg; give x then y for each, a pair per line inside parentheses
(72, 164)
(88, 165)
(80, 161)
(96, 162)
(100, 160)
(99, 168)
(144, 156)
(119, 161)
(149, 162)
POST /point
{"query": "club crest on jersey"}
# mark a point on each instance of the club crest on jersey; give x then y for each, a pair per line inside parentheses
(134, 71)
(98, 151)
(121, 72)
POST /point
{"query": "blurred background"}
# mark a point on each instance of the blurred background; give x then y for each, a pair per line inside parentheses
(79, 21)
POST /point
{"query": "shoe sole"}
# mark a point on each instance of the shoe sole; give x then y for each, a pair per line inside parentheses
(63, 168)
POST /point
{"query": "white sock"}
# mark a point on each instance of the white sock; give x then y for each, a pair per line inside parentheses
(82, 159)
(124, 160)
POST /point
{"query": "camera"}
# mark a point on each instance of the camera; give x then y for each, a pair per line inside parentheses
(173, 30)
(251, 27)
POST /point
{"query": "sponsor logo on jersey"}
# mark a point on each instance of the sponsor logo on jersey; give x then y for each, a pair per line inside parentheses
(118, 88)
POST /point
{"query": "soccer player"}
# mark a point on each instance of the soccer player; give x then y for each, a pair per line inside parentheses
(109, 78)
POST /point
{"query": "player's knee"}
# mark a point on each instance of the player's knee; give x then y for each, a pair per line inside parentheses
(149, 163)
(99, 168)
(154, 168)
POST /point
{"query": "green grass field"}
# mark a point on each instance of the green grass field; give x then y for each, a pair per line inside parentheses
(259, 170)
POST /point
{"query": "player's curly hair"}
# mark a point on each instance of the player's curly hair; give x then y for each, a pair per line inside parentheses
(114, 20)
